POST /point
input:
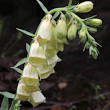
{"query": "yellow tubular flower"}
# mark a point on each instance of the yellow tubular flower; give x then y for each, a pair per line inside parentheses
(37, 98)
(45, 31)
(37, 55)
(30, 75)
(21, 93)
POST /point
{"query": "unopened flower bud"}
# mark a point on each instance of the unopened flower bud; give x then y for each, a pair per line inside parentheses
(72, 32)
(21, 93)
(87, 45)
(61, 28)
(92, 30)
(93, 22)
(93, 51)
(30, 75)
(83, 7)
(82, 35)
(45, 31)
(37, 55)
(37, 98)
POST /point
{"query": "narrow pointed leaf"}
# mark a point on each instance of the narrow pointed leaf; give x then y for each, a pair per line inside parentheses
(55, 15)
(27, 48)
(25, 32)
(22, 61)
(42, 6)
(70, 2)
(8, 95)
(89, 18)
(17, 69)
(5, 103)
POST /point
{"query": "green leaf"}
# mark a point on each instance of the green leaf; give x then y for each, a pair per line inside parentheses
(28, 48)
(5, 103)
(42, 6)
(22, 61)
(8, 95)
(25, 32)
(14, 103)
(17, 69)
(70, 2)
(55, 15)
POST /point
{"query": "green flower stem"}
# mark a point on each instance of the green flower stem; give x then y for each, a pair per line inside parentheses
(58, 9)
(77, 17)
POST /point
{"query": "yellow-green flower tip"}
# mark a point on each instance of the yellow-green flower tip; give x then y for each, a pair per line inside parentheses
(31, 88)
(21, 93)
(37, 98)
(46, 74)
(52, 59)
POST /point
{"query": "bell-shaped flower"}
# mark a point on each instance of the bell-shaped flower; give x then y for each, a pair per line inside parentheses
(53, 59)
(21, 93)
(37, 55)
(45, 31)
(30, 75)
(46, 74)
(45, 70)
(37, 98)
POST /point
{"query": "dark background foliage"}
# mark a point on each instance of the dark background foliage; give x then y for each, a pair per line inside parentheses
(76, 76)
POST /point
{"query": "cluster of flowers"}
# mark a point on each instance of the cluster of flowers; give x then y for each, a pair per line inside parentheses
(50, 39)
(42, 59)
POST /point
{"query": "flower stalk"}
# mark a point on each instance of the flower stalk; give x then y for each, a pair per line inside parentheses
(48, 40)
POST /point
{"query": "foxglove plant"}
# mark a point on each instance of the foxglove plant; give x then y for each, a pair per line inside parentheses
(48, 40)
